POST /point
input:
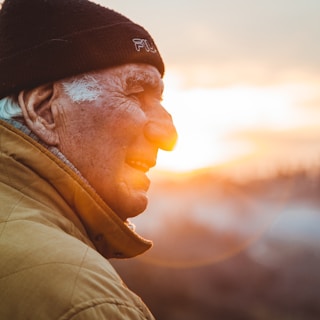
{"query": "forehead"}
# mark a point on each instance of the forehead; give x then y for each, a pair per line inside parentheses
(129, 76)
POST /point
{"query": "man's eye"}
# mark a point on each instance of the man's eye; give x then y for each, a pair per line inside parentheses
(135, 91)
(137, 97)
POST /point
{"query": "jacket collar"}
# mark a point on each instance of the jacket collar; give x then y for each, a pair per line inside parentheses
(112, 237)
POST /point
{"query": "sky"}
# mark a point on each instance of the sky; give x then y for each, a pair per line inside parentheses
(242, 80)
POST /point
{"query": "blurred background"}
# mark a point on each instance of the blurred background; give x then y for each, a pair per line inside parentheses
(234, 210)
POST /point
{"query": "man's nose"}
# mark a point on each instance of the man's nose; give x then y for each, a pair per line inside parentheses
(160, 130)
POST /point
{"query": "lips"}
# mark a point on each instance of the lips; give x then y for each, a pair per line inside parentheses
(140, 164)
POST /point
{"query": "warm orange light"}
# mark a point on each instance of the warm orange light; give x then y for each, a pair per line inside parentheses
(211, 123)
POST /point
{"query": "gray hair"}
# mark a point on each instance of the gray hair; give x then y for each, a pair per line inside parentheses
(9, 108)
(83, 88)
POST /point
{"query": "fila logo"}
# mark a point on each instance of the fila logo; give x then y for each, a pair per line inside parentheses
(143, 44)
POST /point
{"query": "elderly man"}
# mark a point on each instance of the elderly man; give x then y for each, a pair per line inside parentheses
(81, 124)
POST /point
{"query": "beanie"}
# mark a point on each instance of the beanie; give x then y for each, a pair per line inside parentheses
(47, 40)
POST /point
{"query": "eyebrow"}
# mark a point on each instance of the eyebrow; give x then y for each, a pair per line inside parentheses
(143, 79)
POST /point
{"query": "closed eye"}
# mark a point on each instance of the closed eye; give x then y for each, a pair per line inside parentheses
(143, 91)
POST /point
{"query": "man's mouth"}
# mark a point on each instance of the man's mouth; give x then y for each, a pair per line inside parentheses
(141, 165)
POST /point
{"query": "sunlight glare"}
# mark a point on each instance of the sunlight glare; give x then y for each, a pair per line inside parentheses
(208, 120)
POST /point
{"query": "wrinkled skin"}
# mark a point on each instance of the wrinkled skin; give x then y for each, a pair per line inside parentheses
(114, 140)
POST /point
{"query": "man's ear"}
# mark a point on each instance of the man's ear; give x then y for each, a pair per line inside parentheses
(36, 106)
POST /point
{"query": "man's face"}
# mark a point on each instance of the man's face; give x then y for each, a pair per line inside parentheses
(113, 141)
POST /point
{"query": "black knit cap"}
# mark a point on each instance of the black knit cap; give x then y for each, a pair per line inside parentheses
(47, 40)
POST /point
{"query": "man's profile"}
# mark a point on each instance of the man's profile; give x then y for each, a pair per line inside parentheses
(81, 123)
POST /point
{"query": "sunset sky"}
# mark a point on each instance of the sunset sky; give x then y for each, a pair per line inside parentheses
(242, 79)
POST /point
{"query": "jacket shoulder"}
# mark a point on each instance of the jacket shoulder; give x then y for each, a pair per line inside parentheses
(53, 275)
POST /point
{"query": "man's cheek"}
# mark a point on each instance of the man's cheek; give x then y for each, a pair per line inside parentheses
(129, 116)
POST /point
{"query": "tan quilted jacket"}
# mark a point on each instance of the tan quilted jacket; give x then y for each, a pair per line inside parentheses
(55, 236)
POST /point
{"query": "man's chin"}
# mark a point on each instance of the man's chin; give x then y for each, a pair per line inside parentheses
(132, 206)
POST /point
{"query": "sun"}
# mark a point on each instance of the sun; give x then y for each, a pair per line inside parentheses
(210, 122)
(203, 124)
